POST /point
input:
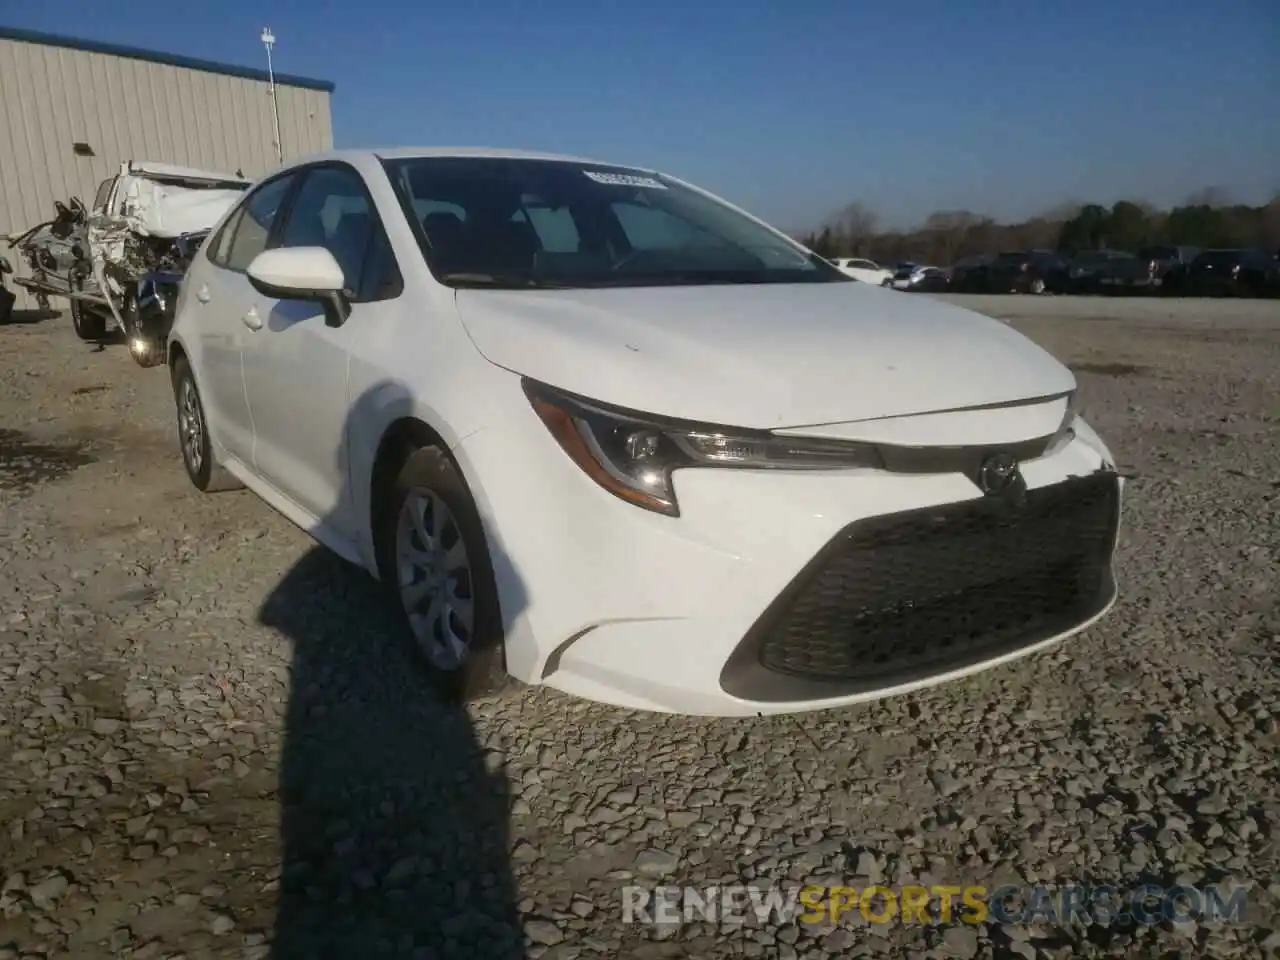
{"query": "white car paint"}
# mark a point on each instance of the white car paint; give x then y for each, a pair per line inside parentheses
(163, 200)
(682, 350)
(599, 597)
(868, 271)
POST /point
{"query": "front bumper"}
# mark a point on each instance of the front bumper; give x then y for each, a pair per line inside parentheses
(738, 606)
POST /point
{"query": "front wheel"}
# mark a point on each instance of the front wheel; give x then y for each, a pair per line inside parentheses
(434, 559)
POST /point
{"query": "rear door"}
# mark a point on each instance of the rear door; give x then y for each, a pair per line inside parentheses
(219, 293)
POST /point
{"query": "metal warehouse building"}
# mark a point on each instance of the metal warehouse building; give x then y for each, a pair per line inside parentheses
(72, 110)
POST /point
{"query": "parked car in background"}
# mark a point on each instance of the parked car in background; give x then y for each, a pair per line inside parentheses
(147, 219)
(1246, 272)
(1146, 270)
(903, 272)
(1091, 270)
(929, 280)
(868, 271)
(1024, 271)
(596, 429)
(961, 270)
(1029, 271)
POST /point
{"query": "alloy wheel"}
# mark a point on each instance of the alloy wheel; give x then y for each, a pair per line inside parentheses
(433, 574)
(191, 426)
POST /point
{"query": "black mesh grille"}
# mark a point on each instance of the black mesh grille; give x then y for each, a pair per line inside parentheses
(932, 590)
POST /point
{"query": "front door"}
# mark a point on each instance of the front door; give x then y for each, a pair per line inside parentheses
(296, 365)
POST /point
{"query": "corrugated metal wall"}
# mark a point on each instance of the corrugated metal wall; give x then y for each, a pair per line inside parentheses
(130, 109)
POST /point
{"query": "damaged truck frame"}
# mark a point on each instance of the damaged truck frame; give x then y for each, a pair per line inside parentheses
(121, 263)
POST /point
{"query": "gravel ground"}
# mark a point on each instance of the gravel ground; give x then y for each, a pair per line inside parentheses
(212, 745)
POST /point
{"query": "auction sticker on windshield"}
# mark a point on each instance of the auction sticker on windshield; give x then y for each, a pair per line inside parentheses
(625, 180)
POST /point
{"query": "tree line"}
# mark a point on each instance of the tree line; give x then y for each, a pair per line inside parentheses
(1206, 220)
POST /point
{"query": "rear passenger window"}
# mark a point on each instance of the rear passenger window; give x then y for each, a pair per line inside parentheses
(247, 232)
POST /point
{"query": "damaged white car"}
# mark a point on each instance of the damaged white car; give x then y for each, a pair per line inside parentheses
(121, 263)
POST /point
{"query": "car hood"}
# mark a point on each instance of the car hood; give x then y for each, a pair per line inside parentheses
(761, 355)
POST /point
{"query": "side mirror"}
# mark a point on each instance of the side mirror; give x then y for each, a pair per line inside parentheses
(302, 273)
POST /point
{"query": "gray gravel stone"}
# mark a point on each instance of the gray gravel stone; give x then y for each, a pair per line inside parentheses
(49, 891)
(960, 942)
(656, 863)
(187, 680)
(222, 924)
(543, 932)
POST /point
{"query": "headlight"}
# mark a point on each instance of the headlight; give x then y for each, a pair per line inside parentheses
(633, 455)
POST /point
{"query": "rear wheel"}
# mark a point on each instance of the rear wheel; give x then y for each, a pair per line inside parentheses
(193, 435)
(434, 559)
(89, 326)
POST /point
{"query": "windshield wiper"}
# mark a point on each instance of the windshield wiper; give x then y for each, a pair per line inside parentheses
(498, 281)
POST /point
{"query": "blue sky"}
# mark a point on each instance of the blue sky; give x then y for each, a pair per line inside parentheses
(790, 109)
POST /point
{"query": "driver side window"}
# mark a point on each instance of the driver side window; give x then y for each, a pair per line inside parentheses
(334, 210)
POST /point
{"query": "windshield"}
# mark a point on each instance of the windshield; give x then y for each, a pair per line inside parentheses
(522, 223)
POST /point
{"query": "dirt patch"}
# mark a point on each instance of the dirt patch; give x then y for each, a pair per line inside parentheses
(25, 462)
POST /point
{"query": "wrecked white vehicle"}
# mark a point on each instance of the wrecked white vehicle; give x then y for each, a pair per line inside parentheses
(121, 263)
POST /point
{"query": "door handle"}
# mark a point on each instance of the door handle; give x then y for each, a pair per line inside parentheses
(252, 320)
(203, 294)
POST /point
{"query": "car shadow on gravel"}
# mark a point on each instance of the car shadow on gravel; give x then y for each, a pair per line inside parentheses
(394, 832)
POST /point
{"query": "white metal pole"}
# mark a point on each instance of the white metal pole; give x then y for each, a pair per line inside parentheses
(268, 39)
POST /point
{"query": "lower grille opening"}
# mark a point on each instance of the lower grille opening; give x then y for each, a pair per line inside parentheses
(896, 598)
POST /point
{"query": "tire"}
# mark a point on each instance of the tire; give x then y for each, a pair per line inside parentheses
(193, 435)
(145, 350)
(89, 326)
(428, 479)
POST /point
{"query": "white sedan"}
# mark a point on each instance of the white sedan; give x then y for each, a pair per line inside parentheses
(868, 271)
(595, 428)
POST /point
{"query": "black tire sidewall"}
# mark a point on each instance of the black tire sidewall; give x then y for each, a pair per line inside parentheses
(88, 325)
(200, 479)
(483, 672)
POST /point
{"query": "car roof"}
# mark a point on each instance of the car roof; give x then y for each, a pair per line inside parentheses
(152, 168)
(408, 153)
